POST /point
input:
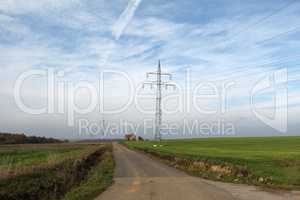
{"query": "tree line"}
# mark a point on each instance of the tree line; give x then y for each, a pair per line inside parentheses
(12, 138)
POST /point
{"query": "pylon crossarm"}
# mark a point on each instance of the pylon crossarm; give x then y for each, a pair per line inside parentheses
(170, 85)
(161, 73)
(151, 84)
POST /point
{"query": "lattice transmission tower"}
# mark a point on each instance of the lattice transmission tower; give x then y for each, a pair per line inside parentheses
(158, 83)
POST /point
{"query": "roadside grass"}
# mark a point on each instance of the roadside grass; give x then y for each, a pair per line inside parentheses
(99, 179)
(266, 161)
(55, 178)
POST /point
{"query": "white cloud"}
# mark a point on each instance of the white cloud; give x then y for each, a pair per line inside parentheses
(33, 6)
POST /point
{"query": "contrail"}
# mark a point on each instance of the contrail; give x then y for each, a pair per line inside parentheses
(119, 27)
(125, 18)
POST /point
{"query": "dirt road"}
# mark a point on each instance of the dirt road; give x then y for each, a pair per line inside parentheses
(138, 177)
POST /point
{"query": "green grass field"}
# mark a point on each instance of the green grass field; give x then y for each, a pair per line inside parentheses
(19, 159)
(50, 171)
(276, 159)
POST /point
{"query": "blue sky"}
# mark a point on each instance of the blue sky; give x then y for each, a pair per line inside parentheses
(218, 40)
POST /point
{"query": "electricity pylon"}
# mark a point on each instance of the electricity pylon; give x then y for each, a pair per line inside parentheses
(158, 83)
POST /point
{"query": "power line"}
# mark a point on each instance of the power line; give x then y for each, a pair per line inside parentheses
(294, 30)
(240, 70)
(285, 6)
(267, 65)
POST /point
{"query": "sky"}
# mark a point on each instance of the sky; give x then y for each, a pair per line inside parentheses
(239, 59)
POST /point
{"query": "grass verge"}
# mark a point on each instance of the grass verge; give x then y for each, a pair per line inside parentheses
(99, 179)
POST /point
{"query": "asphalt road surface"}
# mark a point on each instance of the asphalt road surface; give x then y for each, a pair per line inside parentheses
(139, 177)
